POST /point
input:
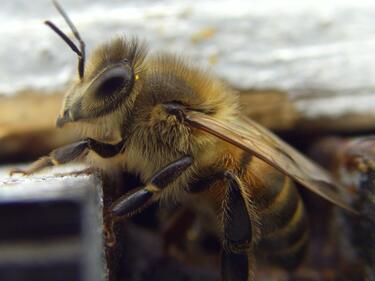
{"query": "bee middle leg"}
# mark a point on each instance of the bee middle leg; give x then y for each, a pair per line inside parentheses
(128, 205)
(71, 152)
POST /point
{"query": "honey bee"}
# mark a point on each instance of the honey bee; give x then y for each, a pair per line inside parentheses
(181, 131)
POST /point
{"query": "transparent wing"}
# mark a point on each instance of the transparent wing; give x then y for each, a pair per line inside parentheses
(252, 137)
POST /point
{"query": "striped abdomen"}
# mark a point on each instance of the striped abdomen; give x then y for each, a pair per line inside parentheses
(283, 224)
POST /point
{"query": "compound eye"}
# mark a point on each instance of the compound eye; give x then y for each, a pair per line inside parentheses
(110, 85)
(113, 81)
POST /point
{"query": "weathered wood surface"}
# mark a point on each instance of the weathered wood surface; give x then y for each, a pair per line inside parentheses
(314, 57)
(51, 227)
(266, 44)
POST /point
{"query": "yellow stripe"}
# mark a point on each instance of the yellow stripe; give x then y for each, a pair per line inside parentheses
(281, 198)
(284, 193)
(295, 219)
(152, 188)
(280, 211)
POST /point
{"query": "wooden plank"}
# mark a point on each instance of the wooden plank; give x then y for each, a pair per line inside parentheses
(322, 69)
(27, 126)
(263, 45)
(317, 77)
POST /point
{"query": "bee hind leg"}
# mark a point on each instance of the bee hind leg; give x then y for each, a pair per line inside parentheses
(128, 205)
(237, 227)
(237, 234)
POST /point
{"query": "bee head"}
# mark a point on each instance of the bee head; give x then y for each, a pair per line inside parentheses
(106, 84)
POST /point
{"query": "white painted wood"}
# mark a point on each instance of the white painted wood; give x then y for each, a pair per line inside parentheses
(300, 47)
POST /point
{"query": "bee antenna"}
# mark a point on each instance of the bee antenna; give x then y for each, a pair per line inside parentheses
(81, 51)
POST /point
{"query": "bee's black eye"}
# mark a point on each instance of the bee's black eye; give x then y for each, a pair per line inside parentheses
(107, 91)
(110, 86)
(113, 81)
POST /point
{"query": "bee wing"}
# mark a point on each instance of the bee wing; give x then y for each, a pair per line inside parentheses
(252, 137)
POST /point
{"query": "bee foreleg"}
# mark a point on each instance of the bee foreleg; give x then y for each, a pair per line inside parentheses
(105, 150)
(39, 164)
(237, 233)
(71, 152)
(127, 205)
(58, 156)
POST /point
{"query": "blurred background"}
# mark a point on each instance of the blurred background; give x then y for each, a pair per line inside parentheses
(300, 66)
(305, 69)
